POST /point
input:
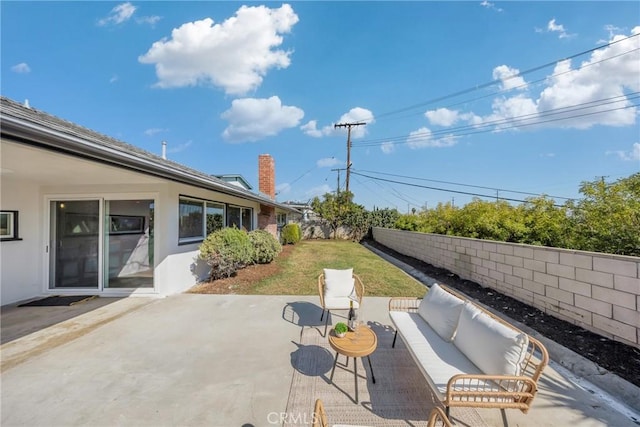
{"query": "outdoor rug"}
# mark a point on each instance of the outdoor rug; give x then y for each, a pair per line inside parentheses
(400, 396)
(58, 300)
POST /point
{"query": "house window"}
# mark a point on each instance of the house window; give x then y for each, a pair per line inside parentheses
(191, 220)
(240, 218)
(215, 217)
(9, 225)
(281, 219)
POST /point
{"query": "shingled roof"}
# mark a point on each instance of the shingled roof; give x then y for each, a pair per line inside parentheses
(34, 127)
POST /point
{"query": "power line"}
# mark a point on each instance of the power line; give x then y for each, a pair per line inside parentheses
(498, 81)
(505, 124)
(445, 189)
(467, 185)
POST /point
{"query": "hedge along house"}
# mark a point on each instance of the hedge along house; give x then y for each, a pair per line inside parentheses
(83, 213)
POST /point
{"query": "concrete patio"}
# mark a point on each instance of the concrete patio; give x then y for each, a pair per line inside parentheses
(196, 360)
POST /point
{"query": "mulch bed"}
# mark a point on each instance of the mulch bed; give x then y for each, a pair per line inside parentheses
(619, 358)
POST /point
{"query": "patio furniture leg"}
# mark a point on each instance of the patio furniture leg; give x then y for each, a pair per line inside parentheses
(326, 322)
(355, 373)
(447, 412)
(322, 315)
(394, 339)
(373, 377)
(334, 367)
(347, 363)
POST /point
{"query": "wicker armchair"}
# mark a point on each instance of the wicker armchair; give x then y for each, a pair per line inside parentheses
(437, 418)
(339, 302)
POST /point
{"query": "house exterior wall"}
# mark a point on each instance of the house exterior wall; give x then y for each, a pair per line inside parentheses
(21, 261)
(24, 263)
(599, 292)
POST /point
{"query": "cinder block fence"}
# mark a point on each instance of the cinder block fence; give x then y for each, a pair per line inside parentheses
(600, 292)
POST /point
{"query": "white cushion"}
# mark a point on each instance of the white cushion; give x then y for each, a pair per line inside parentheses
(493, 347)
(338, 283)
(438, 359)
(441, 310)
(338, 303)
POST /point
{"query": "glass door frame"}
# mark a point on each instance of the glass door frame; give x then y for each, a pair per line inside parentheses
(101, 198)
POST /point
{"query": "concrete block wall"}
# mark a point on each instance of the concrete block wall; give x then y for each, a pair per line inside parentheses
(600, 292)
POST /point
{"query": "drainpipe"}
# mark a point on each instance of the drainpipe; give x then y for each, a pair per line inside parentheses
(164, 150)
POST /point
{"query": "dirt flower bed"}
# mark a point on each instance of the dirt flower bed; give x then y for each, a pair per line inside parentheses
(621, 359)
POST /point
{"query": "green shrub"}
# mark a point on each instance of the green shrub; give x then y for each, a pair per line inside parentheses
(290, 234)
(226, 251)
(265, 246)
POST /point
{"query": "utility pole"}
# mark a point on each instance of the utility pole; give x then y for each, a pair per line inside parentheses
(338, 189)
(348, 126)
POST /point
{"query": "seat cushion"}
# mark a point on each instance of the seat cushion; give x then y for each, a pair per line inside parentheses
(441, 310)
(338, 284)
(438, 359)
(338, 303)
(492, 346)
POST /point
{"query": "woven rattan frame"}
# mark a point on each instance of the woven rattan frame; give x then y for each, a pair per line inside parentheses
(357, 283)
(437, 418)
(490, 391)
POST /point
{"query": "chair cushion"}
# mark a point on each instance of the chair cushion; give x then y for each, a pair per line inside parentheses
(441, 310)
(339, 283)
(493, 347)
(338, 303)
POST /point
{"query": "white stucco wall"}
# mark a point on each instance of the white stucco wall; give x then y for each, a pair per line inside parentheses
(21, 261)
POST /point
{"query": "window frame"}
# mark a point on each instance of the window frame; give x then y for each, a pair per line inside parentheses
(204, 204)
(12, 226)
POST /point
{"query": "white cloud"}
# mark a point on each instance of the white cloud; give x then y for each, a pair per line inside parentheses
(328, 162)
(423, 138)
(113, 78)
(509, 77)
(21, 68)
(550, 155)
(442, 117)
(552, 27)
(151, 20)
(595, 92)
(119, 14)
(318, 191)
(311, 129)
(355, 115)
(251, 119)
(388, 147)
(490, 5)
(633, 155)
(234, 55)
(154, 131)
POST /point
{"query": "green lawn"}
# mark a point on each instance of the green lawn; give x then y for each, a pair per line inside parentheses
(299, 271)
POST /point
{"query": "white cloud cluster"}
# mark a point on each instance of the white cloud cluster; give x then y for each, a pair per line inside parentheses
(21, 68)
(509, 78)
(318, 191)
(423, 138)
(119, 14)
(490, 5)
(155, 131)
(388, 147)
(592, 93)
(633, 155)
(234, 55)
(251, 119)
(123, 13)
(355, 115)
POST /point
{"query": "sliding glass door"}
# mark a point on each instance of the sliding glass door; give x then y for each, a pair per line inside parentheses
(74, 244)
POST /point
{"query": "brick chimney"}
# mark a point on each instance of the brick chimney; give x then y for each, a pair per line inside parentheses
(267, 175)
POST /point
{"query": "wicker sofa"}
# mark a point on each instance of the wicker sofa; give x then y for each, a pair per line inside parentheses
(468, 356)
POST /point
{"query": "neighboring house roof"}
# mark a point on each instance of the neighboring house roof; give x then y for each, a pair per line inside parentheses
(37, 128)
(235, 180)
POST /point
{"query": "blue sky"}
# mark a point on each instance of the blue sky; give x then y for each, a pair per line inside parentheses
(473, 93)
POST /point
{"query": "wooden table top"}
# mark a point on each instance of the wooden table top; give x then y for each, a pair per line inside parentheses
(360, 343)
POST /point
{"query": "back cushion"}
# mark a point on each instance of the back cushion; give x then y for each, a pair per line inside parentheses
(338, 283)
(493, 347)
(441, 311)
